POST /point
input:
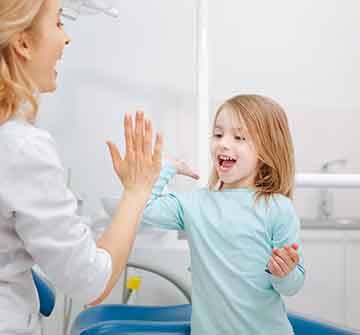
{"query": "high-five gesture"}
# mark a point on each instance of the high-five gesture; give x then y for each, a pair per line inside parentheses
(140, 167)
(138, 170)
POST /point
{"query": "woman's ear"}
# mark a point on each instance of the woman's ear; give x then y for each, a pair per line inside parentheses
(21, 45)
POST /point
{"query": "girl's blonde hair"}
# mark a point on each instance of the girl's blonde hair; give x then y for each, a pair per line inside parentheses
(16, 87)
(268, 126)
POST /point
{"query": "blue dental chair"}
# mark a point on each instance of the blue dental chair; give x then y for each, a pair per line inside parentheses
(303, 325)
(153, 320)
(111, 319)
(46, 294)
(174, 319)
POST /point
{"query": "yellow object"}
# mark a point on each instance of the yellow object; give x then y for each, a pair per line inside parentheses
(133, 283)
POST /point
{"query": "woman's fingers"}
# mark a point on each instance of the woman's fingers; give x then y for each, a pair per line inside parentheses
(139, 135)
(129, 137)
(148, 141)
(157, 156)
(115, 155)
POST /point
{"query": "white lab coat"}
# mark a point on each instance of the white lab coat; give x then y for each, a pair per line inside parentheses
(39, 225)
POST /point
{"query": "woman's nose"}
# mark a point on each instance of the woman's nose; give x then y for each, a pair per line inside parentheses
(67, 39)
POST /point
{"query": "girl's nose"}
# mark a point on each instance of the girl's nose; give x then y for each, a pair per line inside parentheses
(224, 143)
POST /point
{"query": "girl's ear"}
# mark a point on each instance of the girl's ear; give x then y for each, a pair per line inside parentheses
(21, 45)
(260, 163)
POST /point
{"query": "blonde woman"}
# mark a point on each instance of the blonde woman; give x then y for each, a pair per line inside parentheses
(242, 230)
(38, 221)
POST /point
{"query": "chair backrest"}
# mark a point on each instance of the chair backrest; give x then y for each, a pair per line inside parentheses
(303, 325)
(46, 294)
(119, 319)
(135, 328)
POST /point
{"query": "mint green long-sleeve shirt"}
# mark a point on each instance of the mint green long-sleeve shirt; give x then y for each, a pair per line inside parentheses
(231, 238)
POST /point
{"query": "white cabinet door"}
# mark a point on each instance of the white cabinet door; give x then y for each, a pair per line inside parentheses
(323, 295)
(353, 279)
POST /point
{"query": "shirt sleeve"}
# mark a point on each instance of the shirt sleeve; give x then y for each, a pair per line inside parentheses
(58, 240)
(286, 229)
(164, 210)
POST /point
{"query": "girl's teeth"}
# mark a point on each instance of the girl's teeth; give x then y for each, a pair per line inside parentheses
(225, 158)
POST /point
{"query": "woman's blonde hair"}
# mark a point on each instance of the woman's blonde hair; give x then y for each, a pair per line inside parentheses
(16, 87)
(268, 126)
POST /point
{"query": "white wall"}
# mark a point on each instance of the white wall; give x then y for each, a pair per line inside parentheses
(146, 60)
(306, 55)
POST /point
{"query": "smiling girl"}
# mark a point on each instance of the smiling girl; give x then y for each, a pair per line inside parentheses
(242, 230)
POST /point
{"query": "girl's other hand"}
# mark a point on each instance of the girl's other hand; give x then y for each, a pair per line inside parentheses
(284, 260)
(140, 167)
(182, 168)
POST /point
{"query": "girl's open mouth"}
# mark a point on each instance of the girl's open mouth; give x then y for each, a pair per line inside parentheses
(226, 162)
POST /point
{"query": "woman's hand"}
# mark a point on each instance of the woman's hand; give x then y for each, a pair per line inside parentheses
(182, 168)
(284, 260)
(138, 171)
(140, 167)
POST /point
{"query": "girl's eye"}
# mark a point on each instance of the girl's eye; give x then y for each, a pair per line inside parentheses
(217, 135)
(60, 24)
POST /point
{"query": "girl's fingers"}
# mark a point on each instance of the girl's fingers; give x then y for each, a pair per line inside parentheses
(271, 268)
(293, 255)
(148, 140)
(115, 155)
(284, 255)
(295, 246)
(129, 136)
(195, 176)
(284, 267)
(192, 174)
(139, 135)
(187, 171)
(157, 156)
(277, 270)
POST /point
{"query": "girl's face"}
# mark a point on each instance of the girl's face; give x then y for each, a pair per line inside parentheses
(45, 46)
(233, 152)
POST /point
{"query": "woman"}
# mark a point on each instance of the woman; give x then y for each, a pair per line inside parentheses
(38, 221)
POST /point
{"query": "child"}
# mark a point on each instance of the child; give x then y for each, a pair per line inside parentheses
(242, 230)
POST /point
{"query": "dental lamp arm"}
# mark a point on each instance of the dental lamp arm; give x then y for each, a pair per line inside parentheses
(71, 9)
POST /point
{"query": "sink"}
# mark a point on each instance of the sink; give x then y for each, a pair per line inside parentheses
(347, 221)
(341, 223)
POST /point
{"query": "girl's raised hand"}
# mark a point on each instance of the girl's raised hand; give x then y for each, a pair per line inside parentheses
(182, 168)
(140, 167)
(284, 260)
